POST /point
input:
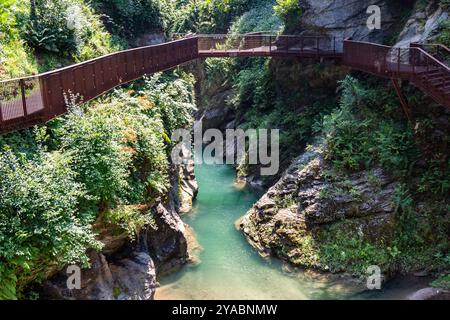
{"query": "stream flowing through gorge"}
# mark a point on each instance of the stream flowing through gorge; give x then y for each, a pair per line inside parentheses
(229, 268)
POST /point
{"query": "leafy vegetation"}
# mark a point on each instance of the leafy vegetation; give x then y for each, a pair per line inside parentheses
(15, 57)
(445, 4)
(359, 136)
(106, 158)
(131, 18)
(67, 28)
(290, 11)
(442, 282)
(364, 133)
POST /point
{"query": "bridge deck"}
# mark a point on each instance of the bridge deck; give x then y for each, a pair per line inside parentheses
(270, 51)
(37, 99)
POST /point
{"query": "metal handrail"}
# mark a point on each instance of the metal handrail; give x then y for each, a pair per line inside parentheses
(29, 100)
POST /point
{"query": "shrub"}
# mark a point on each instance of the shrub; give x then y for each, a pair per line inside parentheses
(259, 18)
(131, 17)
(358, 136)
(289, 11)
(92, 140)
(445, 4)
(49, 30)
(15, 58)
(39, 221)
(67, 28)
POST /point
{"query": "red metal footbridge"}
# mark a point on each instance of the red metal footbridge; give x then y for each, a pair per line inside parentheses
(32, 100)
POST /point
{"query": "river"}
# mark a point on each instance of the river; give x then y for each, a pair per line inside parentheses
(229, 268)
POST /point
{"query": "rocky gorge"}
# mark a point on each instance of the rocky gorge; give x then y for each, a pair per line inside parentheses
(128, 270)
(360, 185)
(314, 216)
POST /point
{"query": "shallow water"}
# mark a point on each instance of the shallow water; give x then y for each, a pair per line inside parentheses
(229, 268)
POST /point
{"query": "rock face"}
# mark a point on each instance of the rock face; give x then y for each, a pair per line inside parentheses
(167, 241)
(131, 278)
(348, 18)
(430, 294)
(422, 25)
(135, 277)
(187, 185)
(307, 199)
(128, 271)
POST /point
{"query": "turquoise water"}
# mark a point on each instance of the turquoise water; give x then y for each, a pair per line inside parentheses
(228, 267)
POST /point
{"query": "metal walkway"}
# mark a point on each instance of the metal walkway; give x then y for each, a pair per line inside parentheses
(37, 99)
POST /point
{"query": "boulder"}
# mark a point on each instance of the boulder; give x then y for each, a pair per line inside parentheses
(166, 240)
(306, 201)
(348, 18)
(430, 294)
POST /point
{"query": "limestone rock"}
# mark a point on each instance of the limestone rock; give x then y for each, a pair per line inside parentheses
(135, 277)
(187, 183)
(167, 243)
(422, 24)
(430, 294)
(347, 18)
(96, 283)
(306, 200)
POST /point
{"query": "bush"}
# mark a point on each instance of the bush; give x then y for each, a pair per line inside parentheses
(108, 158)
(358, 136)
(15, 58)
(445, 4)
(39, 221)
(67, 28)
(290, 12)
(131, 18)
(49, 29)
(259, 18)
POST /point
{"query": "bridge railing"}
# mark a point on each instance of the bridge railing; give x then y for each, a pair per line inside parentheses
(37, 99)
(270, 44)
(389, 61)
(414, 64)
(21, 99)
(439, 51)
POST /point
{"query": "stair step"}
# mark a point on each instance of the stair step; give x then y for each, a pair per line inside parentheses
(435, 75)
(439, 82)
(429, 72)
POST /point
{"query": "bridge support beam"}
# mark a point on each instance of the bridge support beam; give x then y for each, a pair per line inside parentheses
(403, 102)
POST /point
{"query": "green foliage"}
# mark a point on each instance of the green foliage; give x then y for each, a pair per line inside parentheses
(15, 58)
(49, 30)
(443, 35)
(419, 242)
(445, 4)
(131, 219)
(442, 282)
(209, 16)
(130, 18)
(68, 28)
(344, 251)
(92, 139)
(39, 221)
(436, 179)
(107, 158)
(290, 12)
(358, 136)
(259, 18)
